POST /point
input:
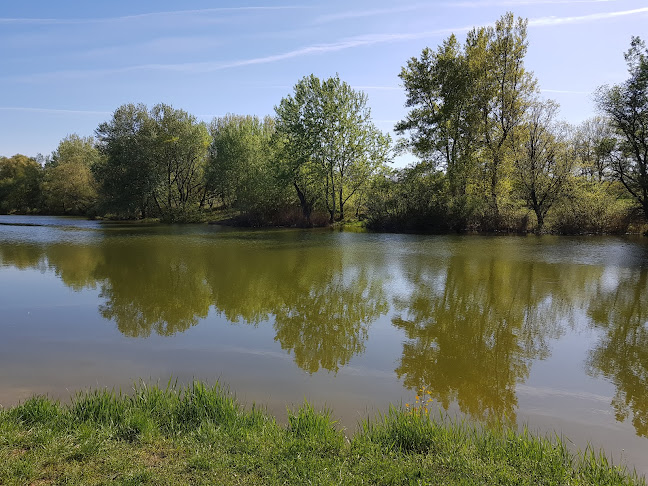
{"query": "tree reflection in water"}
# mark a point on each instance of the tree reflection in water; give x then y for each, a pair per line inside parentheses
(475, 314)
(620, 311)
(474, 326)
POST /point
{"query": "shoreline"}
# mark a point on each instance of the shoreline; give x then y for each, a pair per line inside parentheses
(352, 225)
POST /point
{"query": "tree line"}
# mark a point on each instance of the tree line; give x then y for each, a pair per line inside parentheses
(491, 154)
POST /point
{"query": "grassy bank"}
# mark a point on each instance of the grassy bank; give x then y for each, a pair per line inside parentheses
(201, 435)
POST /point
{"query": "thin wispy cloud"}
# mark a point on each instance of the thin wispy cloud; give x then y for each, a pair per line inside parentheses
(519, 3)
(53, 110)
(315, 49)
(209, 66)
(355, 14)
(55, 21)
(353, 42)
(578, 19)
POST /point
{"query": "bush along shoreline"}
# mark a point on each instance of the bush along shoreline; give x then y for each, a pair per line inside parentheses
(200, 434)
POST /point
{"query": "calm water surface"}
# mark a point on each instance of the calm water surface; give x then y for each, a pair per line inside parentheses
(551, 332)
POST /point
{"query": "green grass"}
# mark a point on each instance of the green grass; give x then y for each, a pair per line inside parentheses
(200, 435)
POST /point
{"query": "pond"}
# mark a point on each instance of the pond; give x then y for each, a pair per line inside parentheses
(551, 332)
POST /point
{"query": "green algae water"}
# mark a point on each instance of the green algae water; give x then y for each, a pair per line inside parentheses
(551, 332)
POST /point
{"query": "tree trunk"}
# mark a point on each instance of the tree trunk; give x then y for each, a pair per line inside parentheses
(307, 208)
(494, 205)
(540, 218)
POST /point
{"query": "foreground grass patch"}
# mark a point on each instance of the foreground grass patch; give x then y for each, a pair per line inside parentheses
(201, 435)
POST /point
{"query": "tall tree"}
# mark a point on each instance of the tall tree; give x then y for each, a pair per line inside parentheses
(465, 103)
(126, 174)
(180, 146)
(626, 105)
(443, 121)
(502, 92)
(329, 140)
(541, 164)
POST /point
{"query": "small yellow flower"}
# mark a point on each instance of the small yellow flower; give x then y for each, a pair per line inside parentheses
(407, 405)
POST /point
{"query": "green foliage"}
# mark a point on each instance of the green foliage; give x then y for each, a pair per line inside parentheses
(69, 186)
(153, 162)
(590, 207)
(126, 173)
(593, 144)
(240, 171)
(179, 151)
(626, 106)
(413, 199)
(542, 166)
(329, 148)
(443, 125)
(466, 103)
(20, 180)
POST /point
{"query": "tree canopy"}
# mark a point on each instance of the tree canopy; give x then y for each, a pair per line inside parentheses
(153, 161)
(69, 185)
(330, 147)
(626, 106)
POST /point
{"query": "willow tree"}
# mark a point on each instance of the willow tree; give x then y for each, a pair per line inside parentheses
(329, 142)
(542, 165)
(626, 106)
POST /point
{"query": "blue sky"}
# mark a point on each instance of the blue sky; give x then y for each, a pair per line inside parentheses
(67, 65)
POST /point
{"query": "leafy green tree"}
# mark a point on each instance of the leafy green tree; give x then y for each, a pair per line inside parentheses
(153, 161)
(502, 93)
(20, 183)
(626, 106)
(412, 199)
(465, 104)
(594, 143)
(69, 185)
(179, 148)
(542, 166)
(443, 122)
(126, 174)
(240, 170)
(330, 146)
